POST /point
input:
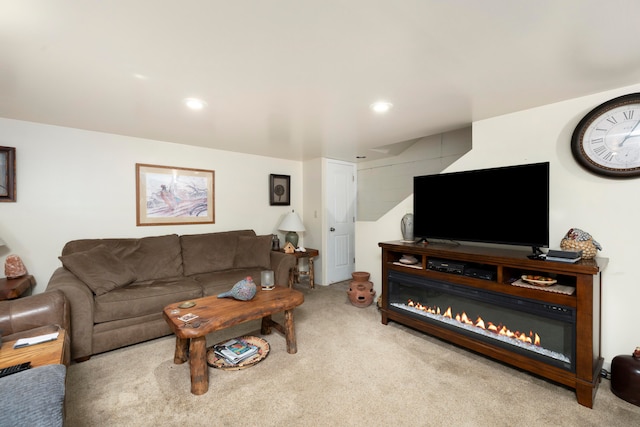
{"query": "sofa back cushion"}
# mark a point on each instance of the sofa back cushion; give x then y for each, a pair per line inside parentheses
(99, 269)
(203, 253)
(253, 251)
(150, 258)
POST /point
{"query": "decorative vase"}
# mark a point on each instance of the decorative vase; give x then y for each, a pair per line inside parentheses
(275, 242)
(625, 377)
(361, 290)
(406, 226)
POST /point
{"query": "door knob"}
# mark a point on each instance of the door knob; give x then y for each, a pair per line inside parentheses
(332, 229)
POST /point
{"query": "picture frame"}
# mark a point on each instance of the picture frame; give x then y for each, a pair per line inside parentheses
(279, 190)
(168, 195)
(7, 174)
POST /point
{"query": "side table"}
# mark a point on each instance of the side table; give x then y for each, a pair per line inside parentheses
(16, 288)
(294, 275)
(47, 353)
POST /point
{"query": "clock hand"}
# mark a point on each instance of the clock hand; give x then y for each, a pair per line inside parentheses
(629, 134)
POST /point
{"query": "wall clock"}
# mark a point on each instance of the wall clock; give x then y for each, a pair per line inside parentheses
(607, 140)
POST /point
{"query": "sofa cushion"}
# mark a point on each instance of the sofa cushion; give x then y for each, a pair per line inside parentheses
(154, 257)
(253, 251)
(34, 397)
(202, 253)
(142, 298)
(99, 268)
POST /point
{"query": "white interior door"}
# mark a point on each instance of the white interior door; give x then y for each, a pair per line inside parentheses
(341, 202)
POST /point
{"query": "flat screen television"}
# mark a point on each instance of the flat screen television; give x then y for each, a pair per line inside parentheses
(504, 205)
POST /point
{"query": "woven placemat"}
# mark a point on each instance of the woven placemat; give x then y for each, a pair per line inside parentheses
(558, 289)
(219, 363)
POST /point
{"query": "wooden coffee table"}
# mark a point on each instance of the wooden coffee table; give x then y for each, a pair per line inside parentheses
(216, 313)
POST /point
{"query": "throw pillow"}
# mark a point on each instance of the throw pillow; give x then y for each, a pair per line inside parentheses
(253, 251)
(100, 269)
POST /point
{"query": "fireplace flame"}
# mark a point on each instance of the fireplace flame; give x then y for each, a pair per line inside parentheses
(530, 338)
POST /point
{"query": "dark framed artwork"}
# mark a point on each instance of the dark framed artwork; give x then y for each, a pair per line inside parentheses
(279, 190)
(7, 174)
(169, 195)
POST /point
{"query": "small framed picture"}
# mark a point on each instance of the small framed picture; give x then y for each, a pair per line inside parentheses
(279, 190)
(7, 174)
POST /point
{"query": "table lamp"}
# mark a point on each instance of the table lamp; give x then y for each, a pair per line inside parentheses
(291, 223)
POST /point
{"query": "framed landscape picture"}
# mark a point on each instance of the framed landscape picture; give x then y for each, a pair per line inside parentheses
(279, 190)
(7, 174)
(168, 195)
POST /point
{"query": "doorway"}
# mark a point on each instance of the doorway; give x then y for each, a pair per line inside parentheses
(340, 220)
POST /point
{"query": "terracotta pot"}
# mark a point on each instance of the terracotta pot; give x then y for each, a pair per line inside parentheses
(361, 291)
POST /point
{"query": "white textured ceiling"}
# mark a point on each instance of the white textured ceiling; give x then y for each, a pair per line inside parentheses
(294, 78)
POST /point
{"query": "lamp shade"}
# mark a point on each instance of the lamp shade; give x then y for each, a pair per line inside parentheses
(291, 223)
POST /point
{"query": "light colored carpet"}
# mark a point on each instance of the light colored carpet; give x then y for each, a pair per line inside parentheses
(350, 370)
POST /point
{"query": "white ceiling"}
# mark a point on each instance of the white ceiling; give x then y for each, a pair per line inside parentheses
(294, 78)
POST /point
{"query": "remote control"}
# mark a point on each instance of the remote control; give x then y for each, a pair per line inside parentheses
(14, 369)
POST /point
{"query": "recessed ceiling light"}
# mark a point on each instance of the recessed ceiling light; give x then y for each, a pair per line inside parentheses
(381, 106)
(195, 104)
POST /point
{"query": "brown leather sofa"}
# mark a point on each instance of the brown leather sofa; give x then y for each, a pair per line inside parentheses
(35, 397)
(117, 288)
(35, 315)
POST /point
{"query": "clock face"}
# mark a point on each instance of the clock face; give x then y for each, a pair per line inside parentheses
(607, 139)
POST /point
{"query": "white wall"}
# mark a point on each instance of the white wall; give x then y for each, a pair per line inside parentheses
(74, 184)
(314, 216)
(608, 209)
(383, 183)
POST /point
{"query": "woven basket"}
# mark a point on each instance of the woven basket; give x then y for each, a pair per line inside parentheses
(588, 248)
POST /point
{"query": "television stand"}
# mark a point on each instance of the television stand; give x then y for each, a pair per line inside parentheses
(506, 266)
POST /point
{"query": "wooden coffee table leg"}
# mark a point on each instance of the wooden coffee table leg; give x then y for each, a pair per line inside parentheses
(181, 354)
(289, 332)
(265, 326)
(198, 365)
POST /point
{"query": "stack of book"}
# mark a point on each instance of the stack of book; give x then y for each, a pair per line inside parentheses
(564, 256)
(235, 351)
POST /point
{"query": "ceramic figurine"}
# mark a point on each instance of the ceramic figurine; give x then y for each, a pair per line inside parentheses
(577, 239)
(244, 290)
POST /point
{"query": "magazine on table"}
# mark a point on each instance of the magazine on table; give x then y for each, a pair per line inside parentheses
(235, 351)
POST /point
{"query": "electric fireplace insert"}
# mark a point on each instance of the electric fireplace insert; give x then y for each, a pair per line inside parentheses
(533, 328)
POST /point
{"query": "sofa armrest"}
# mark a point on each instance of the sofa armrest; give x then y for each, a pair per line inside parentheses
(281, 264)
(81, 302)
(32, 315)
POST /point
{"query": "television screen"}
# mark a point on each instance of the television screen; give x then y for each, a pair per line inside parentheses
(506, 205)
